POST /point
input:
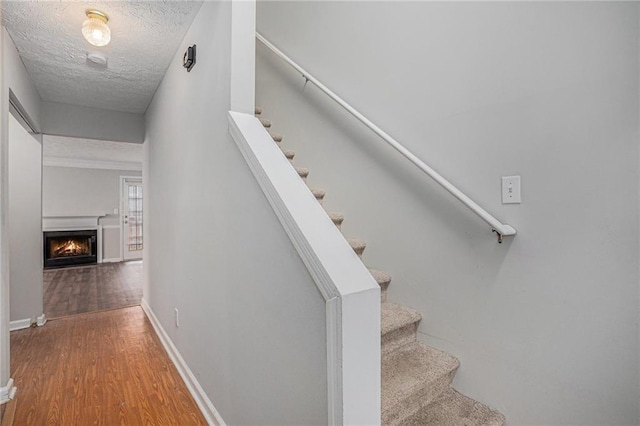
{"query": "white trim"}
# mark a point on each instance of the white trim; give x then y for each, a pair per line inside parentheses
(204, 403)
(110, 226)
(352, 296)
(41, 320)
(112, 260)
(70, 222)
(20, 324)
(8, 392)
(81, 163)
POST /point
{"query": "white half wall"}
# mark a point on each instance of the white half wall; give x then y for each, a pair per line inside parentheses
(25, 215)
(545, 324)
(252, 321)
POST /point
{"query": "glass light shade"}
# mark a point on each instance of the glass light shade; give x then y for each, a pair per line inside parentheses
(96, 30)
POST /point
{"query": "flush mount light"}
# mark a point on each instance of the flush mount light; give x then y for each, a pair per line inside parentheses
(95, 28)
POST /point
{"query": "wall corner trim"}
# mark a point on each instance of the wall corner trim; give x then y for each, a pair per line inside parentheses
(8, 392)
(204, 403)
(42, 320)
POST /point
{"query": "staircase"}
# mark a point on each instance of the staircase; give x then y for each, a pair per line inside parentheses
(416, 379)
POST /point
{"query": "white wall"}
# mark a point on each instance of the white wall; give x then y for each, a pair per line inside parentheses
(68, 191)
(546, 324)
(91, 123)
(15, 80)
(252, 322)
(25, 215)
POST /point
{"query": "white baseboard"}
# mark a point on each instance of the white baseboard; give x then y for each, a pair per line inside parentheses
(112, 260)
(26, 323)
(204, 403)
(42, 320)
(8, 392)
(19, 324)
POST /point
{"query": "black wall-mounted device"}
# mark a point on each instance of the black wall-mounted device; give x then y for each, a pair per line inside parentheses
(189, 58)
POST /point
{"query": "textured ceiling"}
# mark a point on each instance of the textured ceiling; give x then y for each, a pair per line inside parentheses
(144, 38)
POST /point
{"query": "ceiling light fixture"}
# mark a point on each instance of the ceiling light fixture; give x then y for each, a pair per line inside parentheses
(95, 28)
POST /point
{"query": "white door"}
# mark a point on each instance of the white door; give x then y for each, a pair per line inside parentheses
(132, 218)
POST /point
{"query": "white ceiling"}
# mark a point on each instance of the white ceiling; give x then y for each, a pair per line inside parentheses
(144, 39)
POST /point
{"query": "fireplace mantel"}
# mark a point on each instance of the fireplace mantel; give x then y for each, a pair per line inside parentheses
(68, 222)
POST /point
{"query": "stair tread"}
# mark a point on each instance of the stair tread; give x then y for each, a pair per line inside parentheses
(318, 193)
(265, 123)
(411, 368)
(336, 217)
(276, 137)
(381, 277)
(302, 172)
(395, 316)
(454, 409)
(289, 154)
(257, 111)
(357, 245)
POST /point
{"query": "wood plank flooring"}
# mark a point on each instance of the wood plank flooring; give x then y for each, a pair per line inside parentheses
(71, 291)
(103, 368)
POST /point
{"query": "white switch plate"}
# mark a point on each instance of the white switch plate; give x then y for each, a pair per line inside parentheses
(511, 190)
(115, 211)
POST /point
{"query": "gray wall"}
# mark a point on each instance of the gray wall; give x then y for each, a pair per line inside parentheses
(91, 123)
(77, 191)
(14, 79)
(252, 322)
(546, 324)
(25, 217)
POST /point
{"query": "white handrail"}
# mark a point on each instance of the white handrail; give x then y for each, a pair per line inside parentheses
(500, 228)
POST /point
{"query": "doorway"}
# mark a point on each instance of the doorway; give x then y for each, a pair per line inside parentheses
(131, 217)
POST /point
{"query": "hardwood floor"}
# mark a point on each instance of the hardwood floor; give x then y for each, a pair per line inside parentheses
(71, 291)
(103, 368)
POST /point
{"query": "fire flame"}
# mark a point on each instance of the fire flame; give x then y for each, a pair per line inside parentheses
(70, 248)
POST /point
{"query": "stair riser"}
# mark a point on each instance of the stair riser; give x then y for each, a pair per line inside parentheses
(398, 338)
(383, 292)
(401, 411)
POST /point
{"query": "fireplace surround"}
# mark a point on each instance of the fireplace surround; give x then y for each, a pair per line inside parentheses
(69, 248)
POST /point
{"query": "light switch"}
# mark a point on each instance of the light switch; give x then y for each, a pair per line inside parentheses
(511, 190)
(115, 211)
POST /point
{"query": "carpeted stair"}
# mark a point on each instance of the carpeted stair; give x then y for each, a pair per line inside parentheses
(416, 379)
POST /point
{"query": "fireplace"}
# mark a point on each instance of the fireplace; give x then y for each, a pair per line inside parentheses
(67, 248)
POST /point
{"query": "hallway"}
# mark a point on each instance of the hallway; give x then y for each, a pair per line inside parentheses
(99, 368)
